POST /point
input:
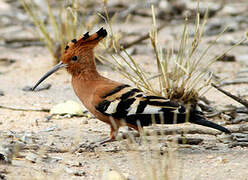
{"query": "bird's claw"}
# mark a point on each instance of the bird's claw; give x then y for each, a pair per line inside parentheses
(90, 146)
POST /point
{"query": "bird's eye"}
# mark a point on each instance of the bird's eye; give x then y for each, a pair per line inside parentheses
(74, 58)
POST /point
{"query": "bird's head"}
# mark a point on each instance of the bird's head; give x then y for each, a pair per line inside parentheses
(78, 55)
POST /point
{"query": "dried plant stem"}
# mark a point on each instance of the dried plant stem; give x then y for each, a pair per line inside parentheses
(39, 23)
(25, 109)
(236, 98)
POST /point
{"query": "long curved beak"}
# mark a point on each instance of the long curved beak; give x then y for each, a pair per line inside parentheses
(51, 71)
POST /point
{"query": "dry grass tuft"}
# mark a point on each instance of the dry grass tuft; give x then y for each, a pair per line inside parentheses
(182, 76)
(63, 23)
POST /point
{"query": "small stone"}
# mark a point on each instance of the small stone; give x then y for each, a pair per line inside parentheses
(226, 117)
(6, 61)
(114, 175)
(68, 170)
(39, 88)
(222, 160)
(80, 173)
(51, 160)
(225, 138)
(27, 138)
(75, 172)
(48, 118)
(227, 58)
(52, 128)
(6, 155)
(1, 93)
(84, 121)
(69, 107)
(31, 157)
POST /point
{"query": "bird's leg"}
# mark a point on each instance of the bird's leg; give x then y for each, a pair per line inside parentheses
(139, 141)
(132, 137)
(141, 133)
(93, 145)
(113, 134)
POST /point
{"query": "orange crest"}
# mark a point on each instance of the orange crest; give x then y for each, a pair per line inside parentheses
(79, 53)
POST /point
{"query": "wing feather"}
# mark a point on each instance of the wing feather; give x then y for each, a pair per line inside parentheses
(127, 101)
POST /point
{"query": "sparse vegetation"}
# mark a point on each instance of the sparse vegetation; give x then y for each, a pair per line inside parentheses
(60, 26)
(183, 76)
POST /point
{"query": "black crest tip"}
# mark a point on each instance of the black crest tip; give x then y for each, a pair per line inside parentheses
(74, 41)
(86, 35)
(66, 47)
(102, 32)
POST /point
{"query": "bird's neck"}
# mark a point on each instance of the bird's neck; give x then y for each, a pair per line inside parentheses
(85, 78)
(86, 81)
(86, 74)
(89, 89)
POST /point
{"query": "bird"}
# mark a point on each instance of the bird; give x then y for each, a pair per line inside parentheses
(115, 103)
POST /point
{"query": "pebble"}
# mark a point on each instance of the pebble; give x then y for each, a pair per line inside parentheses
(6, 61)
(48, 159)
(114, 175)
(75, 172)
(31, 157)
(6, 155)
(39, 88)
(225, 138)
(52, 128)
(227, 58)
(1, 93)
(27, 138)
(69, 107)
(85, 121)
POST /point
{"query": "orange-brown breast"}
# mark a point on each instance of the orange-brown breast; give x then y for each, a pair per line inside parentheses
(90, 92)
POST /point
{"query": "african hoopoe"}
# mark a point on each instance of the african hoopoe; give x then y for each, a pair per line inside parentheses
(113, 101)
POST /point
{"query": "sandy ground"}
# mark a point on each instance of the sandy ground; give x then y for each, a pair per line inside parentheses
(49, 148)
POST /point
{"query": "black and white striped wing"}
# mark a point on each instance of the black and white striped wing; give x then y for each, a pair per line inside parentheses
(132, 105)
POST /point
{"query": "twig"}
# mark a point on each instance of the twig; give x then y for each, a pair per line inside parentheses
(20, 40)
(242, 110)
(244, 43)
(241, 144)
(211, 115)
(236, 81)
(236, 98)
(141, 38)
(172, 131)
(24, 109)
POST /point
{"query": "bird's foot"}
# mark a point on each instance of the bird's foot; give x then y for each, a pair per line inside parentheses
(139, 140)
(106, 140)
(90, 146)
